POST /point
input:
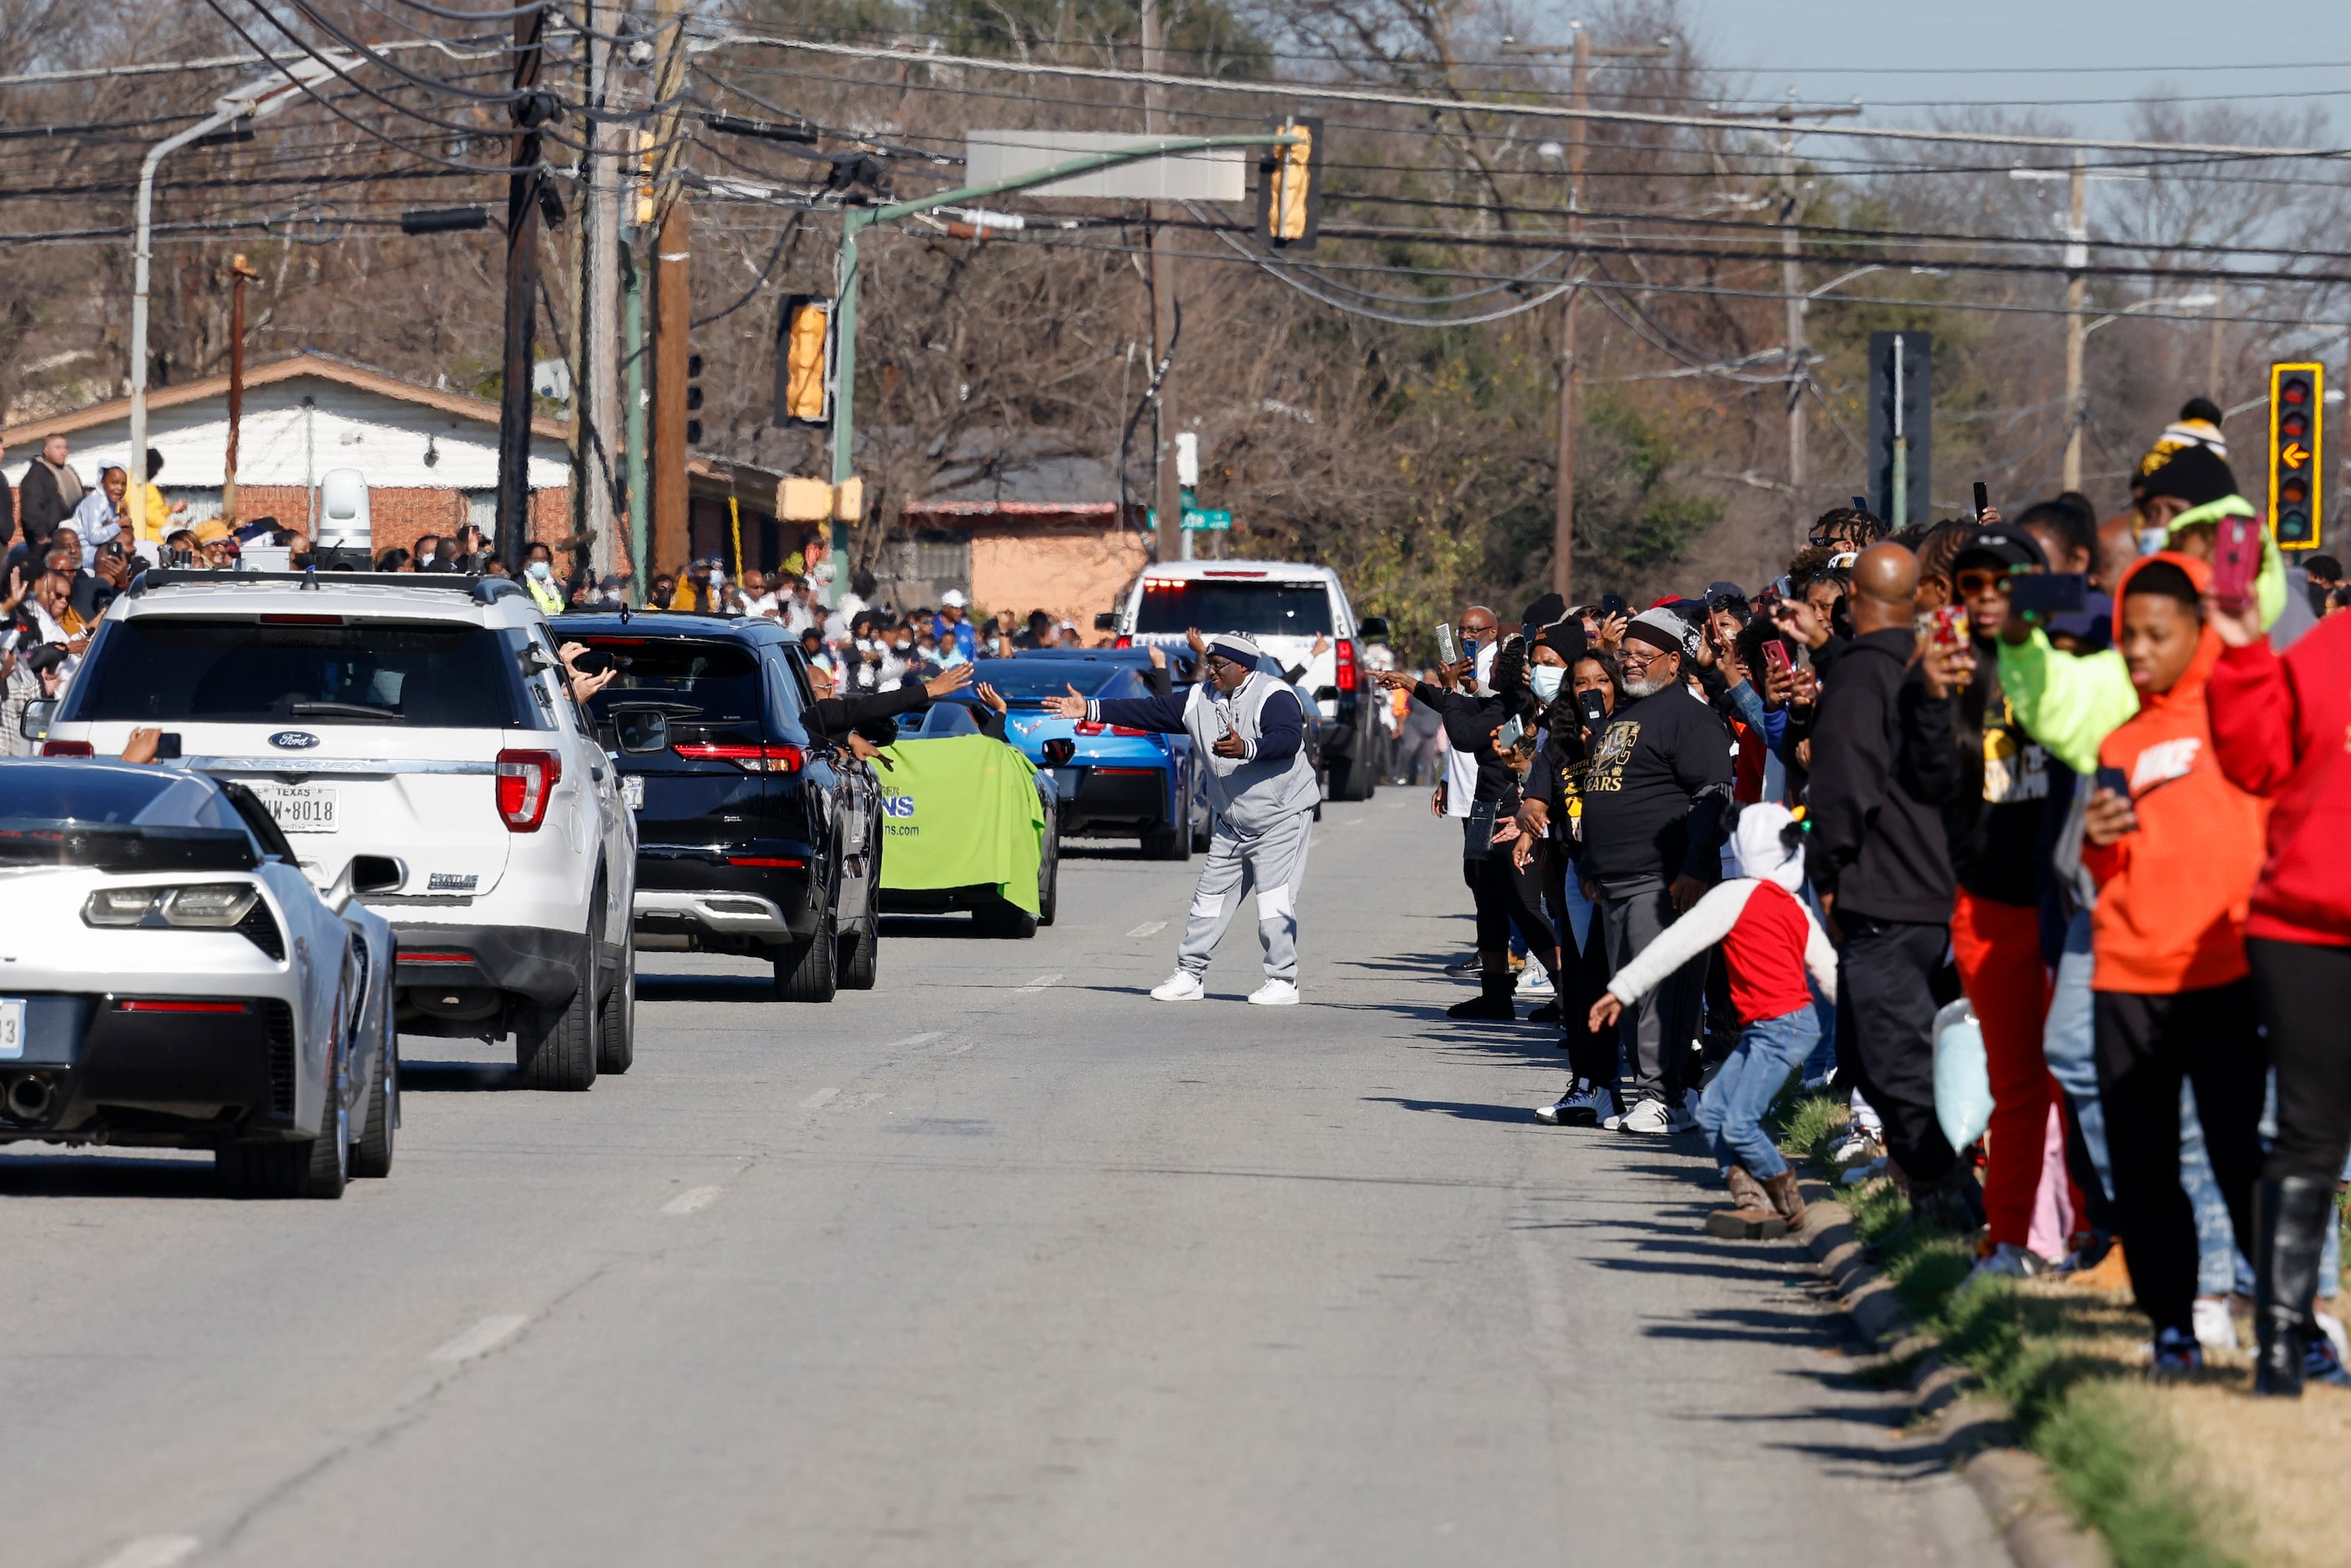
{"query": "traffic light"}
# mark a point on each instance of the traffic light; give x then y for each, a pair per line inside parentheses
(2298, 440)
(692, 399)
(1289, 186)
(804, 361)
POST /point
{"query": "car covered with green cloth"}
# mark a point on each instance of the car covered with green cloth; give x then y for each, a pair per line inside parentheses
(968, 823)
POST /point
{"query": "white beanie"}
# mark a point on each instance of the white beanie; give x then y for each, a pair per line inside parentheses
(1756, 841)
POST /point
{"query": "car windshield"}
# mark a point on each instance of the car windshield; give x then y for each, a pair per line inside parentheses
(436, 675)
(1029, 680)
(712, 682)
(1220, 604)
(80, 794)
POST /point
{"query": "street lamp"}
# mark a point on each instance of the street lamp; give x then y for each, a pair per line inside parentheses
(254, 100)
(2204, 301)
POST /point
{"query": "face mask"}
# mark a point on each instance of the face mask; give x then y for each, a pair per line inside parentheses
(541, 571)
(902, 644)
(1545, 679)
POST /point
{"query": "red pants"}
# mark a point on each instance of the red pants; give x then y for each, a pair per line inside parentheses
(1998, 950)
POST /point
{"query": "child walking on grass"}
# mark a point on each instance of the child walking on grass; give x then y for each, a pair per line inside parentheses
(1770, 942)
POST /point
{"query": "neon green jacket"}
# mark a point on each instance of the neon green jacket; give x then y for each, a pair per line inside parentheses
(2070, 703)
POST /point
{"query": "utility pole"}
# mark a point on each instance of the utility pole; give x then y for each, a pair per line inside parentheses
(531, 110)
(1791, 284)
(1584, 51)
(673, 307)
(600, 302)
(2212, 353)
(1166, 489)
(239, 274)
(2077, 283)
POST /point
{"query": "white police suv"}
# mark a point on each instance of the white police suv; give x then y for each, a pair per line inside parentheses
(420, 716)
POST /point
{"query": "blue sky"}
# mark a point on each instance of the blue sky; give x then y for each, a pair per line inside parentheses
(1831, 50)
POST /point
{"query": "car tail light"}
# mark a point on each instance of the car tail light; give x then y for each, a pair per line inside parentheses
(158, 1005)
(1109, 730)
(776, 862)
(1125, 772)
(1346, 650)
(750, 758)
(526, 778)
(1123, 642)
(409, 956)
(66, 748)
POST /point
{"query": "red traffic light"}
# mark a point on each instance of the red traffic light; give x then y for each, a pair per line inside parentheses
(2293, 390)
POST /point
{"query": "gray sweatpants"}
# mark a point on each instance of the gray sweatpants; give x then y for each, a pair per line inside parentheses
(1655, 1031)
(1273, 861)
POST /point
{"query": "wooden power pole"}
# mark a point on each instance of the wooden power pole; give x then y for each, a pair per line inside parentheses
(1584, 51)
(1166, 489)
(673, 308)
(531, 110)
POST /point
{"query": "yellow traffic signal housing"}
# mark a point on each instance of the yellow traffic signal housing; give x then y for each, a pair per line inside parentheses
(804, 361)
(2297, 447)
(1289, 186)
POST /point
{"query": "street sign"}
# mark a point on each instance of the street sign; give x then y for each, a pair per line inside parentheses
(1211, 174)
(1213, 520)
(2297, 436)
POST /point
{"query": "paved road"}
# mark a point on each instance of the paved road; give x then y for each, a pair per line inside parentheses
(999, 1264)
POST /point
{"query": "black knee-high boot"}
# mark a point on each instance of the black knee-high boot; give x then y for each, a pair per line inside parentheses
(2291, 1217)
(1496, 990)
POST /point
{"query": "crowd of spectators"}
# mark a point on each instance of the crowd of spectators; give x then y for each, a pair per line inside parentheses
(2067, 786)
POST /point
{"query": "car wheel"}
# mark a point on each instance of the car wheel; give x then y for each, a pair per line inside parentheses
(316, 1167)
(1002, 918)
(805, 971)
(616, 1023)
(858, 958)
(372, 1155)
(555, 1048)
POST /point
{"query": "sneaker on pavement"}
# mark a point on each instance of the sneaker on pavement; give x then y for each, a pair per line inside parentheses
(2332, 1327)
(1647, 1115)
(2175, 1353)
(1682, 1118)
(2006, 1261)
(1469, 966)
(1275, 994)
(1533, 982)
(1579, 1107)
(1182, 986)
(2215, 1325)
(2321, 1362)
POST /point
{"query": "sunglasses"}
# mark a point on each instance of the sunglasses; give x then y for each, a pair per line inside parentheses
(1975, 580)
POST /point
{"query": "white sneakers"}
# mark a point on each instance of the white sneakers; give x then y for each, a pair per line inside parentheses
(1585, 1104)
(1182, 986)
(2006, 1261)
(2215, 1329)
(1647, 1115)
(1533, 982)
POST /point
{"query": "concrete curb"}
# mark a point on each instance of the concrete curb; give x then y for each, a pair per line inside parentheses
(1971, 1427)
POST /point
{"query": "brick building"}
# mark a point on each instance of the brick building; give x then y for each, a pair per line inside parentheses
(430, 455)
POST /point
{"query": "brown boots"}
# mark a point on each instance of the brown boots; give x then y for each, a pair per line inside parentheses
(1760, 1211)
(1751, 1217)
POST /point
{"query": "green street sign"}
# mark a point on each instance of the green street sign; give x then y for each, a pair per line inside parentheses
(1217, 520)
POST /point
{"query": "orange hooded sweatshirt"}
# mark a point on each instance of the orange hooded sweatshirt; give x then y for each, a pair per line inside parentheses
(2172, 896)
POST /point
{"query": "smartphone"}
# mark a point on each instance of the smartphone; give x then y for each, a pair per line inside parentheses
(1950, 626)
(1595, 705)
(2115, 779)
(1775, 654)
(1611, 605)
(1509, 735)
(1478, 837)
(2047, 593)
(594, 662)
(1983, 498)
(167, 745)
(2236, 561)
(1449, 650)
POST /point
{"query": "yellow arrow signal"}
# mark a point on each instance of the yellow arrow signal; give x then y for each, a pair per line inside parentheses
(2294, 454)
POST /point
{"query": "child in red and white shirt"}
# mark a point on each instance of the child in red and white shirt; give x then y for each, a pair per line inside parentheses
(1770, 943)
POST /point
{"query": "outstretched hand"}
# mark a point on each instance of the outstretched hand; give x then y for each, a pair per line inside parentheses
(948, 681)
(994, 699)
(1070, 707)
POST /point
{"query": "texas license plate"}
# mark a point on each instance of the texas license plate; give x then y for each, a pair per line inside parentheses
(300, 807)
(12, 1028)
(632, 791)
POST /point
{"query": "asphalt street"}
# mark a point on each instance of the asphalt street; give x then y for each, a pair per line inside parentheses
(1001, 1262)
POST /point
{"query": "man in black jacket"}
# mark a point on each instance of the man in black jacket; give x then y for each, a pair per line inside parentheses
(49, 494)
(1654, 797)
(1885, 769)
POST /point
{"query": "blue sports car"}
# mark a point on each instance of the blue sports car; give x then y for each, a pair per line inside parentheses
(1120, 783)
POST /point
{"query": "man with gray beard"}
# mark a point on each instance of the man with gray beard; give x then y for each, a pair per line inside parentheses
(1655, 799)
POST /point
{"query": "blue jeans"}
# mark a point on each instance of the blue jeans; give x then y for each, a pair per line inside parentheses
(1731, 1112)
(2219, 1268)
(1822, 1058)
(2068, 1042)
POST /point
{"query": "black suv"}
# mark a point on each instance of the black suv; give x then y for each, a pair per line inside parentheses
(752, 837)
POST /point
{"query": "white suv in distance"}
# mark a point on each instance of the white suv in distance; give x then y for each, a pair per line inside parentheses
(422, 717)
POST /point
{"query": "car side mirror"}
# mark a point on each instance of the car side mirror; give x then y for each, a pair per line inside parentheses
(365, 873)
(39, 715)
(1106, 622)
(1058, 751)
(641, 731)
(537, 661)
(1372, 629)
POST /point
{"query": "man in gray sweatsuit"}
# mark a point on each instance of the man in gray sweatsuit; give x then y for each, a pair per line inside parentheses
(1249, 727)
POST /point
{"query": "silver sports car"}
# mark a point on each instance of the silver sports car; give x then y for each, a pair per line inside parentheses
(169, 977)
